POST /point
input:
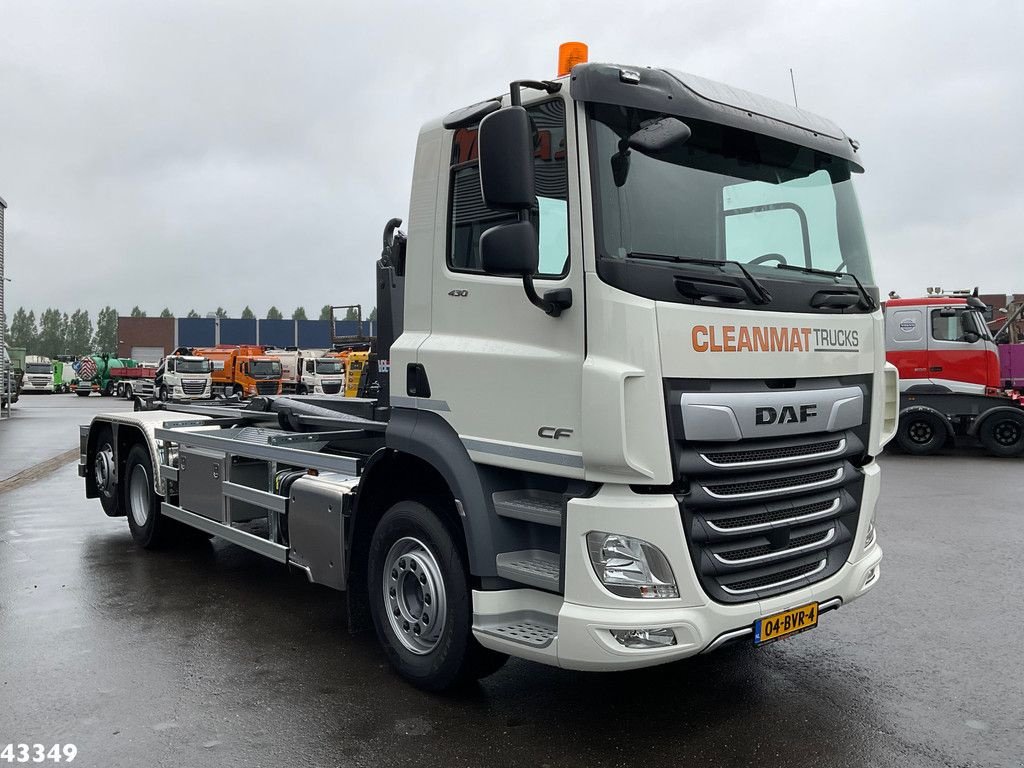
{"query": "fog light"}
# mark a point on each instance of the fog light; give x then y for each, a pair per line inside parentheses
(630, 567)
(644, 638)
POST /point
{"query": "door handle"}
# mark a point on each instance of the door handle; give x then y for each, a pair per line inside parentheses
(935, 368)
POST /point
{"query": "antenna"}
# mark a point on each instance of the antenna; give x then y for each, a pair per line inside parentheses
(792, 81)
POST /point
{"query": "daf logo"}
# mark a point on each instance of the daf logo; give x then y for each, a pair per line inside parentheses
(787, 414)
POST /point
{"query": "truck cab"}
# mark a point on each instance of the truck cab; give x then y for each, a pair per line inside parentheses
(321, 375)
(941, 344)
(184, 377)
(39, 375)
(244, 370)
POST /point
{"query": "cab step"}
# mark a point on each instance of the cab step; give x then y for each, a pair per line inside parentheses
(533, 506)
(534, 567)
(528, 628)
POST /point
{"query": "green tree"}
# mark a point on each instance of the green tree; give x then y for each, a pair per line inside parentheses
(299, 313)
(166, 312)
(51, 333)
(192, 313)
(23, 330)
(221, 312)
(351, 314)
(136, 312)
(326, 313)
(105, 338)
(248, 314)
(274, 314)
(373, 314)
(79, 333)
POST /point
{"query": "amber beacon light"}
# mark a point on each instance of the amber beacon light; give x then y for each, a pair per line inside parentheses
(569, 55)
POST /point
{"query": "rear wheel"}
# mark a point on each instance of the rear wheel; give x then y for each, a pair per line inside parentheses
(420, 600)
(149, 528)
(1002, 434)
(921, 433)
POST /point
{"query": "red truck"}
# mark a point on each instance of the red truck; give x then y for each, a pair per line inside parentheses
(950, 379)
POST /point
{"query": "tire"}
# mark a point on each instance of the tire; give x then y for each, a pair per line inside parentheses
(416, 569)
(163, 393)
(105, 475)
(149, 528)
(1002, 434)
(237, 391)
(921, 433)
(127, 393)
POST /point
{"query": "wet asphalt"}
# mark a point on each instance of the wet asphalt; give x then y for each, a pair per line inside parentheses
(207, 655)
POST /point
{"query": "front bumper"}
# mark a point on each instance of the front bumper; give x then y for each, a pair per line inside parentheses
(587, 613)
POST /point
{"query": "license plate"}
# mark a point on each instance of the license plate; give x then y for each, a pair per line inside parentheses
(780, 625)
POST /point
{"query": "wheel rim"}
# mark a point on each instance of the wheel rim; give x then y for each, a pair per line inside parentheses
(921, 432)
(103, 470)
(138, 492)
(1007, 433)
(414, 593)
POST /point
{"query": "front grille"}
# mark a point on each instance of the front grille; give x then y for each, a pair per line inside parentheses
(765, 516)
(775, 580)
(193, 386)
(766, 519)
(331, 387)
(763, 487)
(266, 387)
(775, 455)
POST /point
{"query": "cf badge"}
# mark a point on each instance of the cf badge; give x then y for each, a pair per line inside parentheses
(554, 433)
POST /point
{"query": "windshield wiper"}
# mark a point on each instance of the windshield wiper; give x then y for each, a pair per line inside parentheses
(868, 300)
(760, 293)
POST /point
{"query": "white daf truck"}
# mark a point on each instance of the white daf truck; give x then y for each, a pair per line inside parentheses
(309, 372)
(183, 377)
(631, 390)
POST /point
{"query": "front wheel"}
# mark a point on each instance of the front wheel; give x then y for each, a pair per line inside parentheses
(149, 528)
(921, 433)
(1002, 434)
(420, 600)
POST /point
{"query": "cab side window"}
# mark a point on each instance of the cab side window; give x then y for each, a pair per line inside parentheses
(947, 327)
(470, 218)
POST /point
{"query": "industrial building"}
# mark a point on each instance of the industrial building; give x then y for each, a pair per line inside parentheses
(148, 339)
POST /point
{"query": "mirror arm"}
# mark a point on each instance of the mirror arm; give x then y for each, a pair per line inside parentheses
(552, 302)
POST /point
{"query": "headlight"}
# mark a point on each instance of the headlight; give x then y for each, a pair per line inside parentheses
(630, 567)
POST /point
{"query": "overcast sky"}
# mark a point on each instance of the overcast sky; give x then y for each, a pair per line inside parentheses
(192, 154)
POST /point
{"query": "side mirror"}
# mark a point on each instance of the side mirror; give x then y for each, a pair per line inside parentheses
(510, 249)
(971, 337)
(506, 160)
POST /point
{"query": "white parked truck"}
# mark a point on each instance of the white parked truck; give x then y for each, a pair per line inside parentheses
(631, 391)
(183, 377)
(39, 375)
(309, 372)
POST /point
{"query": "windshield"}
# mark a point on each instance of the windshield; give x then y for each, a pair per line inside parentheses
(973, 320)
(724, 194)
(192, 366)
(328, 366)
(38, 368)
(265, 369)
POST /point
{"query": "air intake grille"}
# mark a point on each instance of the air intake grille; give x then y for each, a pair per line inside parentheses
(331, 387)
(193, 386)
(773, 516)
(774, 454)
(266, 387)
(779, 483)
(779, 578)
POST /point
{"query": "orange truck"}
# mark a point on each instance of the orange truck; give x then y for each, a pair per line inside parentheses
(243, 370)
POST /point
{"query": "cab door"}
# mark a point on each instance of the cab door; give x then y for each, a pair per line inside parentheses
(958, 356)
(504, 374)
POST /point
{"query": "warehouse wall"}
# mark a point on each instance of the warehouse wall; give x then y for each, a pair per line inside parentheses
(169, 333)
(143, 332)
